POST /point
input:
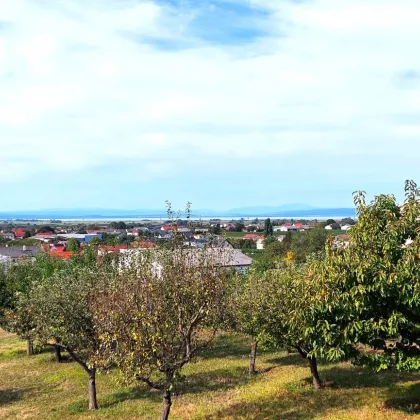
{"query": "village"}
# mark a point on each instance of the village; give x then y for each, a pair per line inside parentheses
(245, 238)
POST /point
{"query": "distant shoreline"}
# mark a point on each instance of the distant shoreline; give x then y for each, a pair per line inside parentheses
(158, 218)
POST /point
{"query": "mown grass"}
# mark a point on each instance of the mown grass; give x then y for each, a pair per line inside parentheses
(215, 387)
(242, 234)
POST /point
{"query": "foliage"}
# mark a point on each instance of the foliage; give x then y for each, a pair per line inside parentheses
(62, 311)
(118, 225)
(162, 311)
(307, 243)
(282, 307)
(216, 230)
(239, 227)
(373, 286)
(335, 226)
(240, 243)
(268, 228)
(18, 281)
(73, 245)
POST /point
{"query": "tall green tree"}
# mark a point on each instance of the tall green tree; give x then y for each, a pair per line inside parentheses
(373, 286)
(268, 228)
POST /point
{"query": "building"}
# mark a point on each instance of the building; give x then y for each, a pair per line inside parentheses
(287, 227)
(224, 257)
(13, 253)
(19, 233)
(81, 237)
(8, 235)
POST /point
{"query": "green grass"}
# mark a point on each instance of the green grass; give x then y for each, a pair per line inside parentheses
(255, 254)
(215, 387)
(242, 234)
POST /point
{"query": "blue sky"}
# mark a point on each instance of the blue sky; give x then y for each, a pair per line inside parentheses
(226, 103)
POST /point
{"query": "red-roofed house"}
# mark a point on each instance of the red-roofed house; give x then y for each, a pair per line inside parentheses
(61, 254)
(168, 228)
(114, 248)
(252, 236)
(19, 233)
(145, 245)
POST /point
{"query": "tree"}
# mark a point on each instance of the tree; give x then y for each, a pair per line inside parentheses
(348, 221)
(46, 229)
(290, 316)
(239, 227)
(268, 228)
(216, 230)
(248, 312)
(329, 222)
(373, 286)
(165, 307)
(118, 225)
(18, 281)
(73, 245)
(307, 243)
(335, 226)
(27, 234)
(62, 310)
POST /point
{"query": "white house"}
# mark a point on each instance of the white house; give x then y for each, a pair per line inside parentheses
(329, 227)
(346, 227)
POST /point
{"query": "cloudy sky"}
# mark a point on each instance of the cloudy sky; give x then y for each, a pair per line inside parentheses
(226, 103)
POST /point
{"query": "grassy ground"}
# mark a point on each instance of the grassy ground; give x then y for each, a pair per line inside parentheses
(242, 234)
(216, 387)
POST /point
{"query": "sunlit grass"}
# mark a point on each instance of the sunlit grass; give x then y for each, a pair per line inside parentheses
(216, 386)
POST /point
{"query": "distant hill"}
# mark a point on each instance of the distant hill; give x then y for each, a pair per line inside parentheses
(285, 211)
(271, 209)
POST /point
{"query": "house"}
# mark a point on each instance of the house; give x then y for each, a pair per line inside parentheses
(165, 235)
(260, 244)
(107, 249)
(45, 238)
(252, 236)
(8, 235)
(168, 228)
(328, 227)
(81, 237)
(13, 253)
(287, 227)
(224, 257)
(19, 233)
(144, 245)
(346, 227)
(64, 255)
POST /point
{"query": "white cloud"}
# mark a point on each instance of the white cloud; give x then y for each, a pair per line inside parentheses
(79, 80)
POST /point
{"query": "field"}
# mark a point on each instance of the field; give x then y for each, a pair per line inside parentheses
(216, 387)
(242, 234)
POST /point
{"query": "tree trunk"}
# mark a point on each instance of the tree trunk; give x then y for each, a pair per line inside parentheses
(57, 353)
(93, 403)
(29, 347)
(314, 371)
(167, 402)
(253, 357)
(316, 381)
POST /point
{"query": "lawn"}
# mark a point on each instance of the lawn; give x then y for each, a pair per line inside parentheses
(216, 387)
(242, 234)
